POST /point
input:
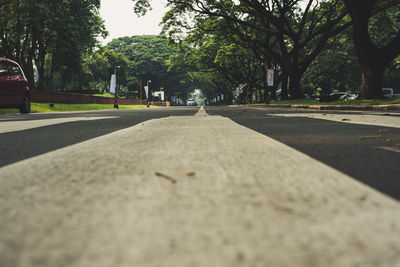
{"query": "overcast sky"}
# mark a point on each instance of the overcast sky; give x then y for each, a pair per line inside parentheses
(120, 20)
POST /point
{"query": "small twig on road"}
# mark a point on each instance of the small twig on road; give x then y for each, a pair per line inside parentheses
(371, 137)
(169, 178)
(391, 149)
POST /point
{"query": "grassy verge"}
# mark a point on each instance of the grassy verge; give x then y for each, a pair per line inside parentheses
(350, 102)
(107, 94)
(45, 107)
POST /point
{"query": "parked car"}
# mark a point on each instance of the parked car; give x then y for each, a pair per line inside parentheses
(350, 96)
(191, 102)
(338, 96)
(389, 93)
(14, 89)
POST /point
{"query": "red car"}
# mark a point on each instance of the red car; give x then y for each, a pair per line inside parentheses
(14, 89)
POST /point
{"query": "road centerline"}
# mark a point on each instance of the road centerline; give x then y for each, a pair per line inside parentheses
(109, 189)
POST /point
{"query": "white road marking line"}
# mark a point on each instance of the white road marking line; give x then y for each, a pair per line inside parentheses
(253, 201)
(385, 121)
(12, 126)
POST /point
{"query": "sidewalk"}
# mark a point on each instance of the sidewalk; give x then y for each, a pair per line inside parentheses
(391, 107)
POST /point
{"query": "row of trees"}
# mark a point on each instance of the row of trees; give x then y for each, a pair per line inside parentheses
(215, 45)
(288, 35)
(141, 58)
(56, 43)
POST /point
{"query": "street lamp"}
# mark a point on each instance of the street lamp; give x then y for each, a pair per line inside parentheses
(116, 88)
(148, 88)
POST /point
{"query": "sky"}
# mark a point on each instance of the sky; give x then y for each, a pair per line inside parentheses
(120, 20)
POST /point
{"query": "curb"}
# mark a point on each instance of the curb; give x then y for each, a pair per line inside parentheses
(393, 107)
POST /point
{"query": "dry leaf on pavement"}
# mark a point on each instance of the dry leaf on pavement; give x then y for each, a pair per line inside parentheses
(190, 174)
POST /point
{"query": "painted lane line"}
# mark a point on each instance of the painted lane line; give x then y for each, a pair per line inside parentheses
(253, 201)
(13, 126)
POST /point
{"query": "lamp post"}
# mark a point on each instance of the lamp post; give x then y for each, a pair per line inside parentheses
(148, 88)
(116, 87)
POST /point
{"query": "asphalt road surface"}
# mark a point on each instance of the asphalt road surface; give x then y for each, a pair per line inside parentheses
(355, 143)
(190, 187)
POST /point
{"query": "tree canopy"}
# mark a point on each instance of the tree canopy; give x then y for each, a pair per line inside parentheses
(51, 35)
(288, 34)
(213, 45)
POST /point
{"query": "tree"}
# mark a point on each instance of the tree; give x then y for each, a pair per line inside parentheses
(102, 64)
(291, 34)
(51, 35)
(374, 57)
(149, 57)
(335, 68)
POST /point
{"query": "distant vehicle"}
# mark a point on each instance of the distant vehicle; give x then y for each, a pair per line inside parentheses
(350, 96)
(338, 96)
(342, 96)
(191, 102)
(14, 89)
(389, 93)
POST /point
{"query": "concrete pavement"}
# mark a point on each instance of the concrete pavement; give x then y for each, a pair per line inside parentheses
(100, 203)
(365, 119)
(391, 107)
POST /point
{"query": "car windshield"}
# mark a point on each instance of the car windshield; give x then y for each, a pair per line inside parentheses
(15, 70)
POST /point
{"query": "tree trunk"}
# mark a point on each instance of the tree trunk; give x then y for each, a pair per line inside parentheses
(284, 89)
(371, 81)
(373, 60)
(250, 95)
(295, 86)
(266, 96)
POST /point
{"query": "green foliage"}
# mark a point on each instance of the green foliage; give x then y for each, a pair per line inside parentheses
(52, 35)
(142, 58)
(103, 63)
(336, 68)
(384, 26)
(45, 107)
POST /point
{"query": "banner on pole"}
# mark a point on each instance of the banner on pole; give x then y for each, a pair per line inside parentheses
(113, 84)
(270, 77)
(146, 90)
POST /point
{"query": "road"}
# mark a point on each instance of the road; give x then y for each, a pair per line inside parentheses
(190, 187)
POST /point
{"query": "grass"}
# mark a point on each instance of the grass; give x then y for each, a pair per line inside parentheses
(107, 94)
(350, 102)
(297, 101)
(45, 107)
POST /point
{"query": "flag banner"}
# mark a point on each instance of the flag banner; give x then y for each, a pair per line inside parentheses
(113, 84)
(146, 90)
(222, 97)
(270, 78)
